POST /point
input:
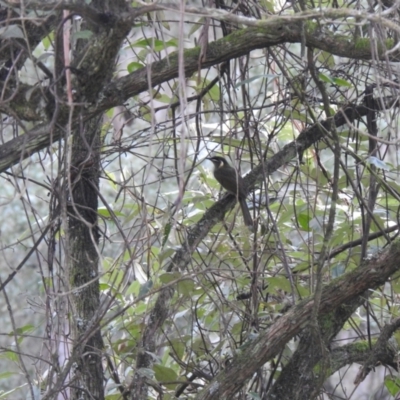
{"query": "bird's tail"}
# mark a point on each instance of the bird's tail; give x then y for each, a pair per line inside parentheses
(248, 220)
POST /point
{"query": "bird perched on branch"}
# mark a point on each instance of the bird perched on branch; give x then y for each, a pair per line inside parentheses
(230, 180)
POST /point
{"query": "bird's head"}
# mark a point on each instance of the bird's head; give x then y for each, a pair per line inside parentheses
(218, 162)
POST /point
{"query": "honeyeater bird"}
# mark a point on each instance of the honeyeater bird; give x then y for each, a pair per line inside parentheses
(230, 180)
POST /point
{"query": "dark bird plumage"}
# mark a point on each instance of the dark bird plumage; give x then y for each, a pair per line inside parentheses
(230, 180)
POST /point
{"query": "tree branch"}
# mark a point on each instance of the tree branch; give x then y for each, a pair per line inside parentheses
(215, 214)
(236, 44)
(369, 275)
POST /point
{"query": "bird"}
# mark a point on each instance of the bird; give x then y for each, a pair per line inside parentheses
(230, 180)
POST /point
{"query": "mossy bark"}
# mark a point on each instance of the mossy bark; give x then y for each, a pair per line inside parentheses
(87, 375)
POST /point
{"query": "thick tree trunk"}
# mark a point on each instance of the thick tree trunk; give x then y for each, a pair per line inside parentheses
(87, 376)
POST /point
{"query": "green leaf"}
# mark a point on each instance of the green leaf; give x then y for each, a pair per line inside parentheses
(115, 396)
(186, 287)
(104, 286)
(325, 78)
(179, 347)
(46, 42)
(6, 375)
(161, 17)
(133, 66)
(103, 211)
(145, 112)
(164, 374)
(268, 5)
(392, 385)
(342, 82)
(304, 221)
(326, 59)
(214, 93)
(165, 254)
(170, 276)
(116, 277)
(10, 355)
(134, 288)
(22, 330)
(278, 283)
(294, 114)
(163, 98)
(167, 231)
(396, 335)
(155, 44)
